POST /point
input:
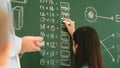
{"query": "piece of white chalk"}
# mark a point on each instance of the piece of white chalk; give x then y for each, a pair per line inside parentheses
(66, 22)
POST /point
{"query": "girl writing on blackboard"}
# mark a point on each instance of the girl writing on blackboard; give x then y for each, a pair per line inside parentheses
(86, 46)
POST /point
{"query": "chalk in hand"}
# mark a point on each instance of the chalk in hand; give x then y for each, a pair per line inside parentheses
(67, 22)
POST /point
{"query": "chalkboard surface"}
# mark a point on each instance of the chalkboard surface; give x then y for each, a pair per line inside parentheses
(44, 18)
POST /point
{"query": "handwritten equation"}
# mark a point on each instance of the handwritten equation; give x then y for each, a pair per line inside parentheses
(53, 29)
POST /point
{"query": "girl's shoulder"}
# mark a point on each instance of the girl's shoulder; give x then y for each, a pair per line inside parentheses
(85, 65)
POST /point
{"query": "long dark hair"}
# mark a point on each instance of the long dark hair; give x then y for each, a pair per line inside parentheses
(88, 50)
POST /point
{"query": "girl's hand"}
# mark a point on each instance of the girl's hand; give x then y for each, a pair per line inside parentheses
(70, 26)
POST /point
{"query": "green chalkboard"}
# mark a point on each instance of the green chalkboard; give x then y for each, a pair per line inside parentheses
(44, 18)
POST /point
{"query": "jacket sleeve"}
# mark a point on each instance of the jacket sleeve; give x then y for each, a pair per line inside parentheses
(16, 41)
(16, 45)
